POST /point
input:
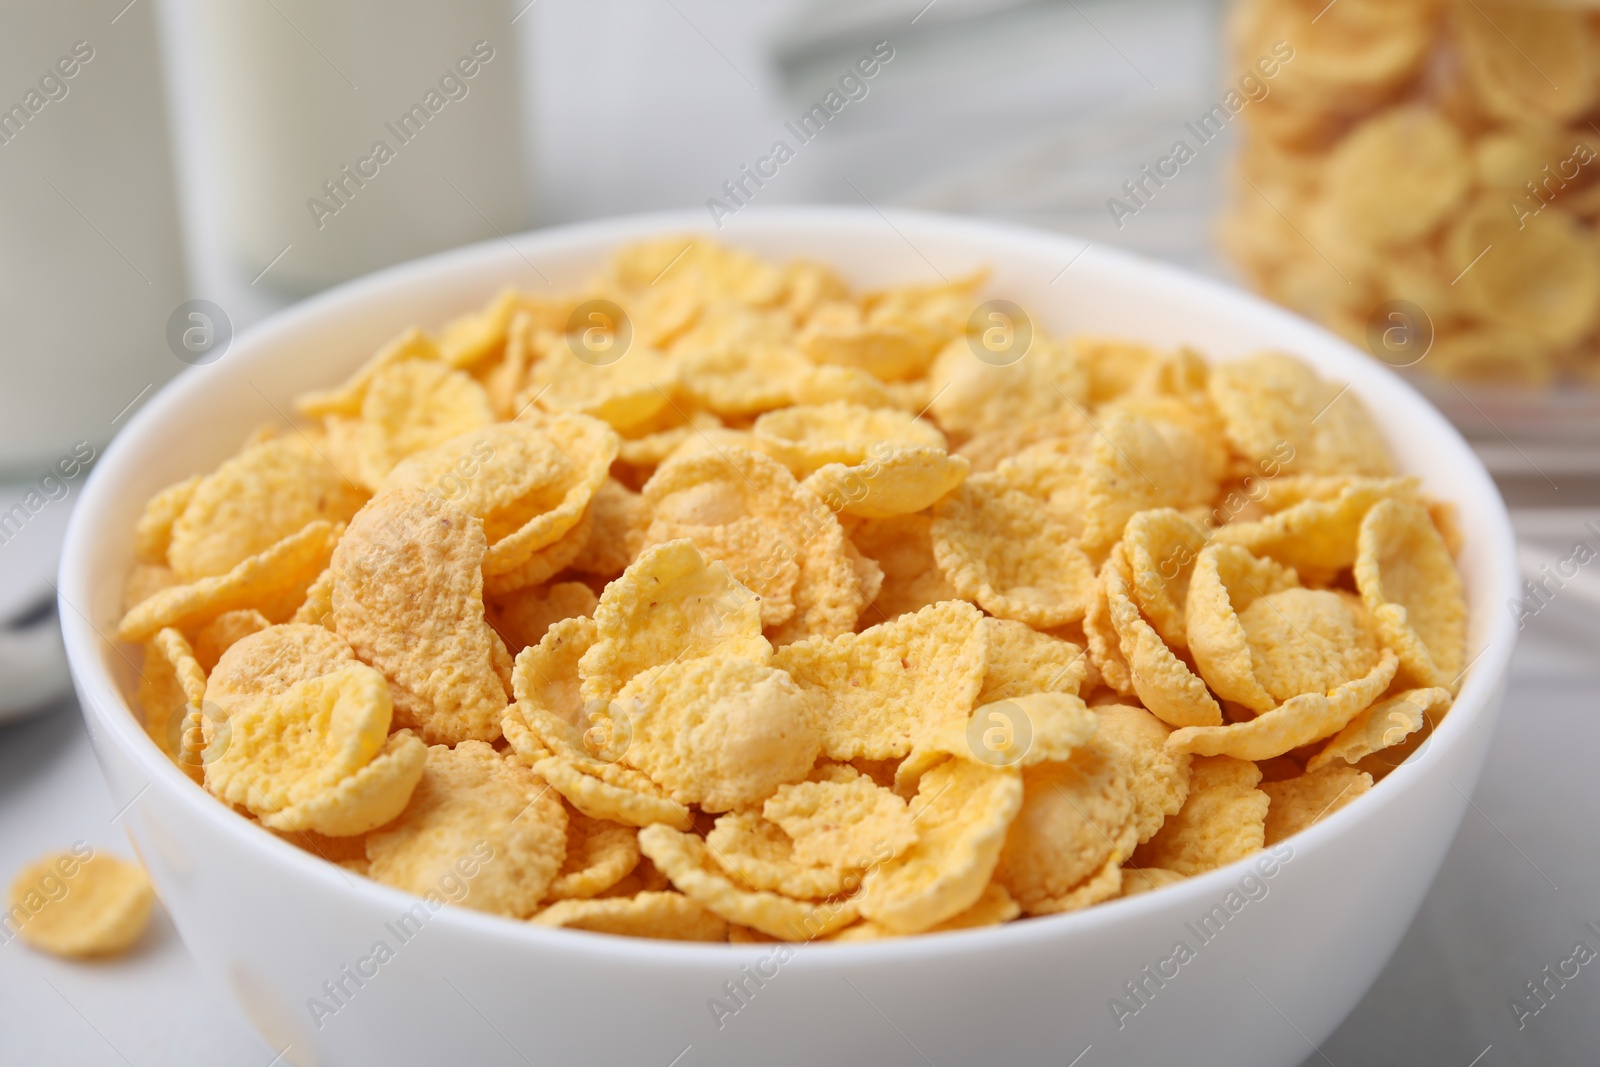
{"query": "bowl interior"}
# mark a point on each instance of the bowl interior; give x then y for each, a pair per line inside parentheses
(1064, 285)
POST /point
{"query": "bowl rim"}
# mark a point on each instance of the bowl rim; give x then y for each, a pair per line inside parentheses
(105, 707)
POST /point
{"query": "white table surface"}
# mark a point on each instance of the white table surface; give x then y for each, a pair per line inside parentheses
(1039, 129)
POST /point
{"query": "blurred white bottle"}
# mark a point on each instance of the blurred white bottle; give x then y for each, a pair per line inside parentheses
(345, 135)
(90, 251)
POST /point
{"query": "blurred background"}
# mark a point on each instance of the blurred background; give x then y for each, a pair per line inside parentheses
(1420, 175)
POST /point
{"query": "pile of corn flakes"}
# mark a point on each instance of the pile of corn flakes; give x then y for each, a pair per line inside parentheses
(720, 602)
(1442, 153)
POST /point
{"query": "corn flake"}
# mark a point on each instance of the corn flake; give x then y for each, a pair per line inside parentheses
(1158, 777)
(522, 618)
(472, 338)
(973, 396)
(624, 393)
(704, 496)
(408, 596)
(902, 547)
(620, 519)
(577, 744)
(893, 684)
(152, 534)
(1165, 684)
(623, 797)
(545, 563)
(1306, 800)
(742, 380)
(1278, 414)
(223, 632)
(1100, 634)
(1160, 547)
(1533, 63)
(961, 812)
(647, 446)
(1383, 725)
(807, 437)
(474, 804)
(1077, 817)
(887, 352)
(988, 449)
(266, 493)
(841, 823)
(319, 756)
(1136, 880)
(664, 916)
(1222, 820)
(345, 401)
(978, 536)
(1378, 203)
(1260, 638)
(1413, 592)
(1315, 522)
(144, 581)
(529, 481)
(718, 731)
(830, 384)
(273, 581)
(269, 662)
(758, 854)
(1136, 464)
(104, 911)
(1298, 721)
(1021, 730)
(545, 675)
(411, 406)
(1303, 640)
(904, 481)
(995, 906)
(694, 872)
(1022, 660)
(171, 682)
(669, 603)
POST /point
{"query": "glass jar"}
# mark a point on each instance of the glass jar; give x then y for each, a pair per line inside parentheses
(1423, 177)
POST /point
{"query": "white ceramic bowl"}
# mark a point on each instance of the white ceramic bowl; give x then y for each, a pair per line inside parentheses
(1296, 952)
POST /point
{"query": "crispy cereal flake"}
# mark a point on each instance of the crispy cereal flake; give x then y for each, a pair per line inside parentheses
(1077, 816)
(408, 596)
(893, 684)
(104, 908)
(665, 916)
(1383, 725)
(1222, 820)
(1165, 684)
(840, 822)
(482, 817)
(318, 756)
(1412, 590)
(961, 812)
(999, 547)
(273, 581)
(1303, 801)
(264, 494)
(758, 854)
(669, 604)
(719, 732)
(1297, 721)
(695, 873)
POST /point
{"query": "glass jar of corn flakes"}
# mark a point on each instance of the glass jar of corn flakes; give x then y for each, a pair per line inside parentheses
(1425, 179)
